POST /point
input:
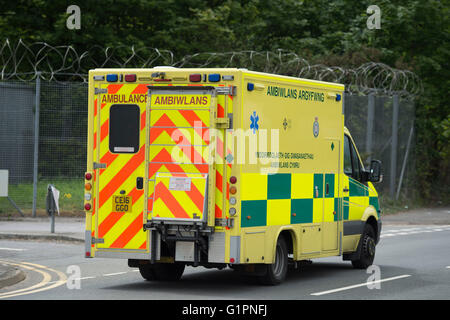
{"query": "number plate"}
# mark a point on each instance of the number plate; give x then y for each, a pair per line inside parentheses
(122, 204)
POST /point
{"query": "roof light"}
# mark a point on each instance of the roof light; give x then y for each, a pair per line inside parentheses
(99, 78)
(228, 78)
(338, 97)
(214, 77)
(130, 78)
(112, 78)
(250, 86)
(195, 77)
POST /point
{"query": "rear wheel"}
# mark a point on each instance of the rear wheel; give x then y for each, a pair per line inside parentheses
(162, 271)
(276, 272)
(367, 249)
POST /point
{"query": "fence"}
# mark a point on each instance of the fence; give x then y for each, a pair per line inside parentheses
(53, 117)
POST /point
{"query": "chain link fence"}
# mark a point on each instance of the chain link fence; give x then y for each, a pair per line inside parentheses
(381, 126)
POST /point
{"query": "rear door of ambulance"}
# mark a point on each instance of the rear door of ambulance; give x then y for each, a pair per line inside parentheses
(180, 184)
(119, 163)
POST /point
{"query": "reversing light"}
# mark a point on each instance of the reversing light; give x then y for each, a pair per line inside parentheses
(232, 201)
(87, 196)
(232, 211)
(195, 77)
(112, 78)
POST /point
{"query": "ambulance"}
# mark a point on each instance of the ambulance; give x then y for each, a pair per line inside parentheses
(224, 167)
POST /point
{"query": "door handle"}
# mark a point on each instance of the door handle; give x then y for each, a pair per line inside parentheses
(345, 189)
(139, 183)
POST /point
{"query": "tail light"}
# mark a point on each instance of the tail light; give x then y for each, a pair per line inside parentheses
(87, 206)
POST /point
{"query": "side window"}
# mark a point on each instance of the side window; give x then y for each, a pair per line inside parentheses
(356, 165)
(124, 128)
(347, 157)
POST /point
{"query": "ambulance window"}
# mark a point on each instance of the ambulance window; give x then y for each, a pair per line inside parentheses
(124, 128)
(355, 162)
(347, 157)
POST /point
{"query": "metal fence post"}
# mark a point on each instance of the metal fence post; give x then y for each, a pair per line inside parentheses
(370, 122)
(394, 145)
(36, 141)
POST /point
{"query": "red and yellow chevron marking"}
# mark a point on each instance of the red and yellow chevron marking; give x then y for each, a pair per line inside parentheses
(179, 144)
(119, 230)
(180, 201)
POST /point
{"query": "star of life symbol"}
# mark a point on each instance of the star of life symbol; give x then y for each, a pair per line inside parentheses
(254, 119)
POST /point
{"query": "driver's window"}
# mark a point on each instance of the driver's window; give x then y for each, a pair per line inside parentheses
(347, 157)
(351, 162)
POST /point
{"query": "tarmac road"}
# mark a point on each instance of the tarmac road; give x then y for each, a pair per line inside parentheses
(413, 263)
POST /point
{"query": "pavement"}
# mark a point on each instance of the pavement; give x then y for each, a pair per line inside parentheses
(72, 230)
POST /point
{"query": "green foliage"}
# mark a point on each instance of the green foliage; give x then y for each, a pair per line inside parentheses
(414, 35)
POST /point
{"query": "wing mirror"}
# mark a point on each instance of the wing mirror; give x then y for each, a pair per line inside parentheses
(375, 171)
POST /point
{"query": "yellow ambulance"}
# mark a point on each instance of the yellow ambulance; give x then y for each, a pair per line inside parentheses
(223, 167)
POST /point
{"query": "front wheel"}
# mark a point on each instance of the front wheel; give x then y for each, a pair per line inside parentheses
(367, 249)
(276, 272)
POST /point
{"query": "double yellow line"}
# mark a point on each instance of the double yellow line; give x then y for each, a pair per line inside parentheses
(45, 283)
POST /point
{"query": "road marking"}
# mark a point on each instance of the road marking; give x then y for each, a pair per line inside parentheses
(12, 249)
(113, 274)
(41, 286)
(359, 285)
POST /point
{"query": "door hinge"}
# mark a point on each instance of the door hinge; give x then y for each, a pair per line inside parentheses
(222, 123)
(224, 223)
(231, 91)
(97, 240)
(100, 91)
(99, 165)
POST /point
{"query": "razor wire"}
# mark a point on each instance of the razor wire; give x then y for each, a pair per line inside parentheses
(21, 61)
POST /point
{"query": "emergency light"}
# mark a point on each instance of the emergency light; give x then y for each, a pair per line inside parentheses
(112, 77)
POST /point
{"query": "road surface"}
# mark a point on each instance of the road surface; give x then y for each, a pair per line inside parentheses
(413, 263)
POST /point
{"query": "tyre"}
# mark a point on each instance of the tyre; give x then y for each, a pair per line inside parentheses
(368, 243)
(146, 271)
(276, 272)
(168, 271)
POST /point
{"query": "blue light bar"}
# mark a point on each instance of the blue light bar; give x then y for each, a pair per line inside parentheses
(338, 97)
(112, 77)
(214, 77)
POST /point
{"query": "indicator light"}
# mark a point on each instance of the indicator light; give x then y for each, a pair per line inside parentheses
(88, 186)
(233, 190)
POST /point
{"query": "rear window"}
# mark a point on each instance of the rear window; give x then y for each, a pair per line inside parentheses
(124, 128)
